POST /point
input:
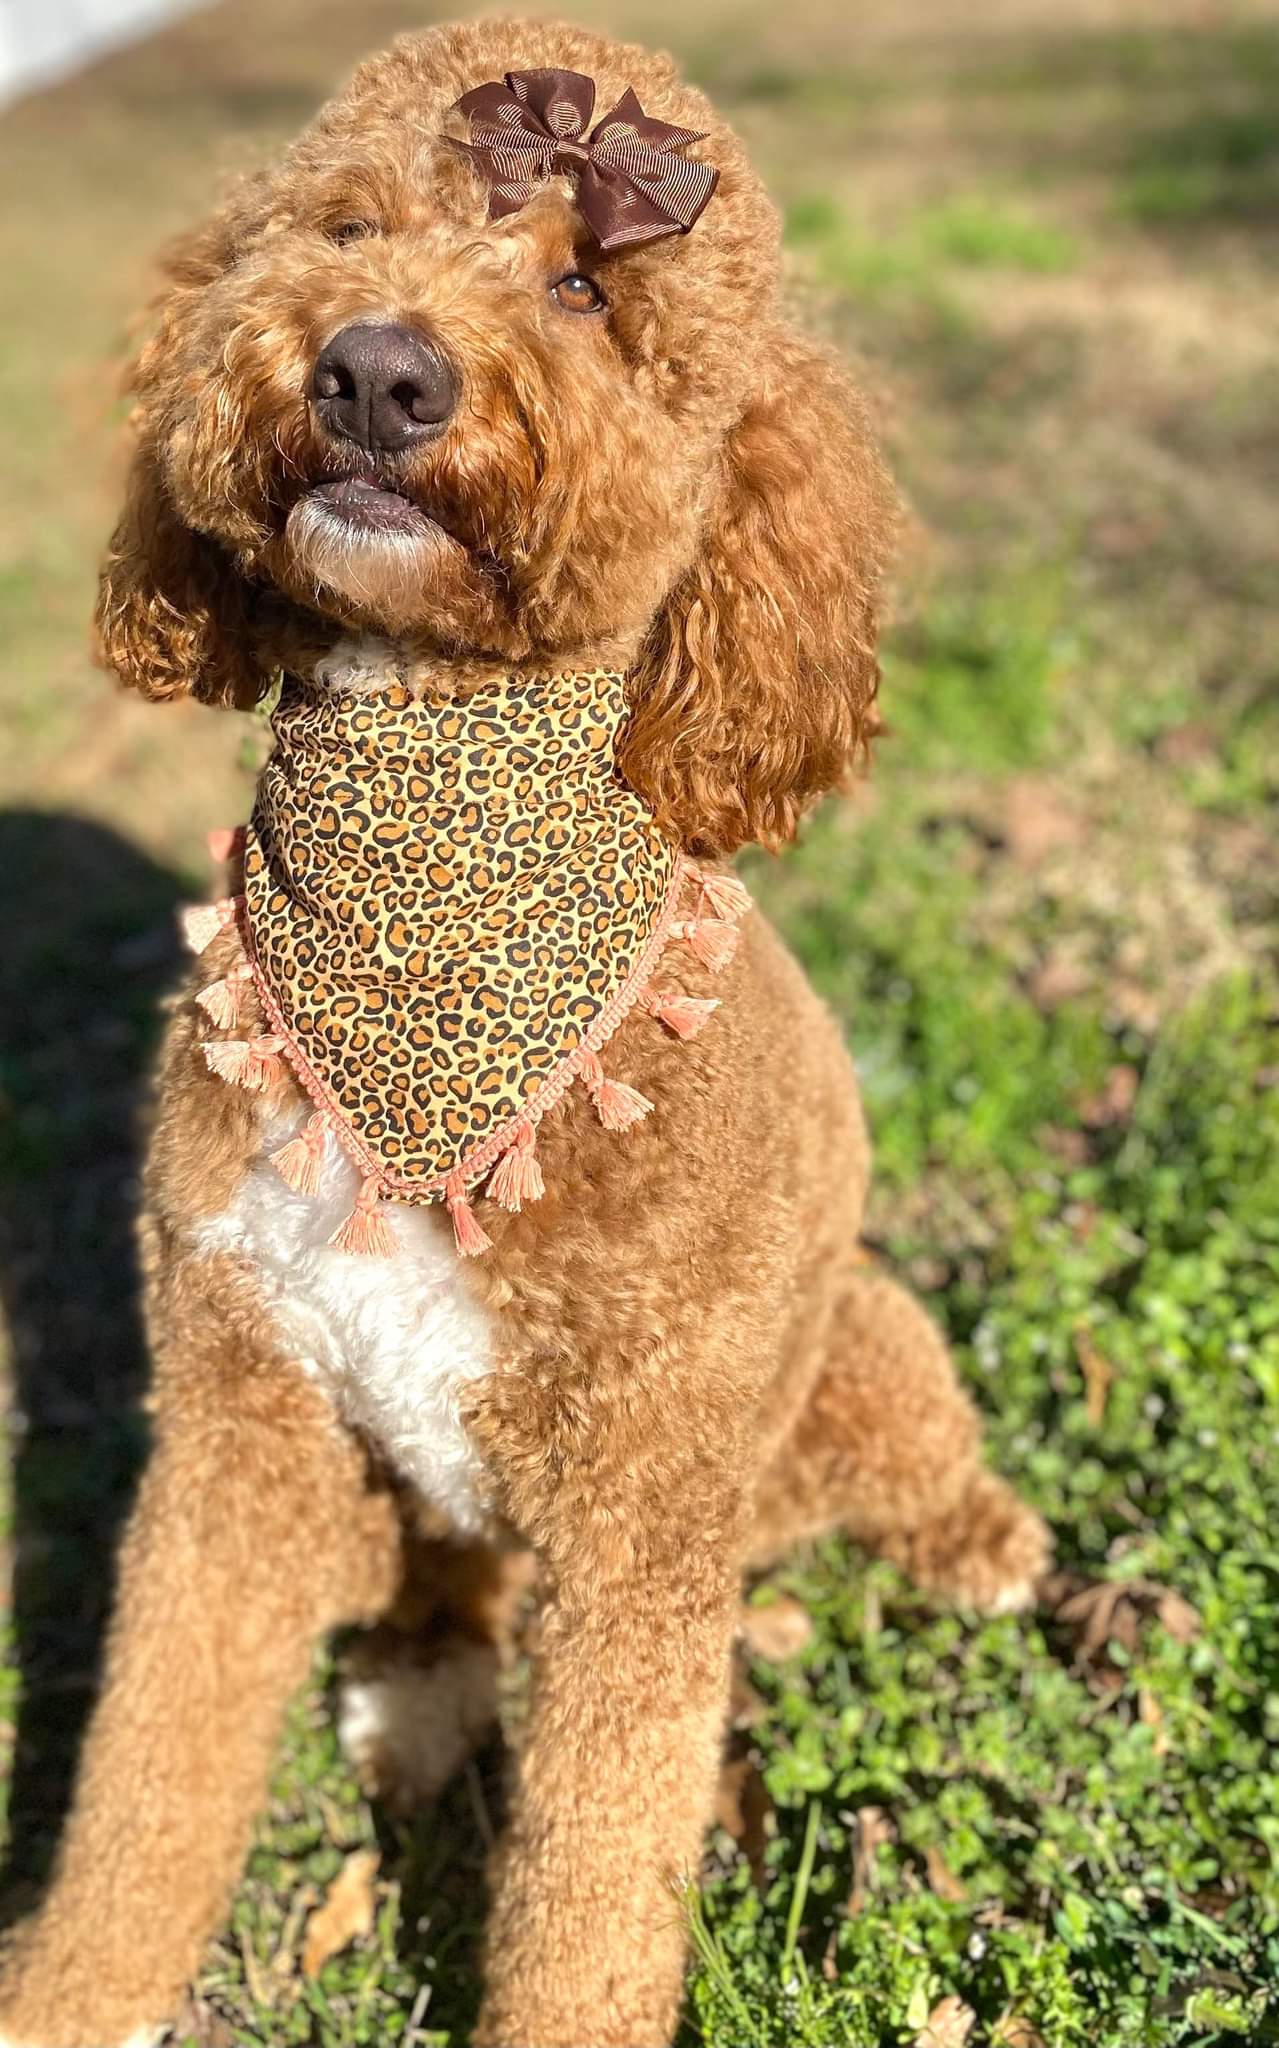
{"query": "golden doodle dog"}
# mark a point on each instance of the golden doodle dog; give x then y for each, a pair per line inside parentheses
(502, 1214)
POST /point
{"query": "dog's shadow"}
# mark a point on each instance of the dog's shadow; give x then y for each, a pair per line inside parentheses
(87, 945)
(88, 948)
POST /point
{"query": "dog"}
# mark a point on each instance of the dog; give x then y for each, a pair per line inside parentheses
(438, 396)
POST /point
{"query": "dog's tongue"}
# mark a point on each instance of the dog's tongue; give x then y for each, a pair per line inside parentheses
(369, 506)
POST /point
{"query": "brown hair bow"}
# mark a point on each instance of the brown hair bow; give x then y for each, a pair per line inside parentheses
(631, 186)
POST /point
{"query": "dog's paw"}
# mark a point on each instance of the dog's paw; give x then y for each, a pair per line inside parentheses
(408, 1723)
(987, 1552)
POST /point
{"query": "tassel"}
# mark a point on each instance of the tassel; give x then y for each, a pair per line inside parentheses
(727, 897)
(710, 941)
(518, 1178)
(226, 841)
(223, 1000)
(684, 1015)
(617, 1106)
(470, 1239)
(252, 1063)
(366, 1232)
(299, 1163)
(201, 922)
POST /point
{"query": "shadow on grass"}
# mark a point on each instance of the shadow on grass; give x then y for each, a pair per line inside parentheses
(87, 944)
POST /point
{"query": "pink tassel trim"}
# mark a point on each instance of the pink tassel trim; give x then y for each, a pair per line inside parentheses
(366, 1232)
(299, 1163)
(468, 1236)
(617, 1106)
(684, 1015)
(518, 1177)
(709, 940)
(226, 841)
(202, 922)
(224, 1001)
(728, 898)
(252, 1063)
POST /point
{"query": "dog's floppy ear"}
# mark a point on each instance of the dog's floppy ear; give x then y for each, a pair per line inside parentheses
(755, 690)
(172, 617)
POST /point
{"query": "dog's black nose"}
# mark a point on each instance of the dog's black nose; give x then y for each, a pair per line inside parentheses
(383, 387)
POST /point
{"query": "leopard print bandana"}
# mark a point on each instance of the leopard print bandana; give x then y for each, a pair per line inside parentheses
(447, 911)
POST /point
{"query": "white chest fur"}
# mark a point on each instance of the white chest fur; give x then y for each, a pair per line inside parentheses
(392, 1340)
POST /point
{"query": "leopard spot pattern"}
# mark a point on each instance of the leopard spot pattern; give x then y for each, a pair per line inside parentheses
(442, 899)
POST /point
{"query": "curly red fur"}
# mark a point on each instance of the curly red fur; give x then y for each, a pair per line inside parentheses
(755, 689)
(173, 617)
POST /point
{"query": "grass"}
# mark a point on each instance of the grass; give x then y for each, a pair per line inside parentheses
(1048, 925)
(1104, 1821)
(965, 232)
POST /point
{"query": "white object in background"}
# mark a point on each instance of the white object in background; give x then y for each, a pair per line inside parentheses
(41, 40)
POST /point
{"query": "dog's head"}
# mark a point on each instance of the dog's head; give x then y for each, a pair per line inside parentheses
(368, 399)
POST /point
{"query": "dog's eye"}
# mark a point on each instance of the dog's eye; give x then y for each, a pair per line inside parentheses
(577, 293)
(350, 231)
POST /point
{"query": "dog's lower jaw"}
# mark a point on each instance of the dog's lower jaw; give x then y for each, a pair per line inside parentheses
(385, 567)
(413, 576)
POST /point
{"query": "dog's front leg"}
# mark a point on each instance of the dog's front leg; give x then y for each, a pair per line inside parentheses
(253, 1531)
(639, 1527)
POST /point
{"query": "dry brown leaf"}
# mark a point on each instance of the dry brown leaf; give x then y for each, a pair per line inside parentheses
(1060, 978)
(942, 1879)
(1102, 1611)
(1098, 1375)
(1082, 1218)
(1151, 1714)
(874, 1828)
(1094, 1610)
(949, 2025)
(745, 1706)
(347, 1912)
(744, 1810)
(1012, 2031)
(1187, 746)
(1176, 1614)
(1132, 1003)
(928, 1275)
(780, 1630)
(1037, 820)
(196, 2021)
(1112, 1104)
(1070, 1147)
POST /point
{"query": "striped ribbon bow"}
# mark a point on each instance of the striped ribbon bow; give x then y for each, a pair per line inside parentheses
(631, 184)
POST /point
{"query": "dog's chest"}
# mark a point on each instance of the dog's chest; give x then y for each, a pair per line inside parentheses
(392, 1340)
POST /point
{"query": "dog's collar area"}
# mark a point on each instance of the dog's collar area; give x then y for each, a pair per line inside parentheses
(446, 912)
